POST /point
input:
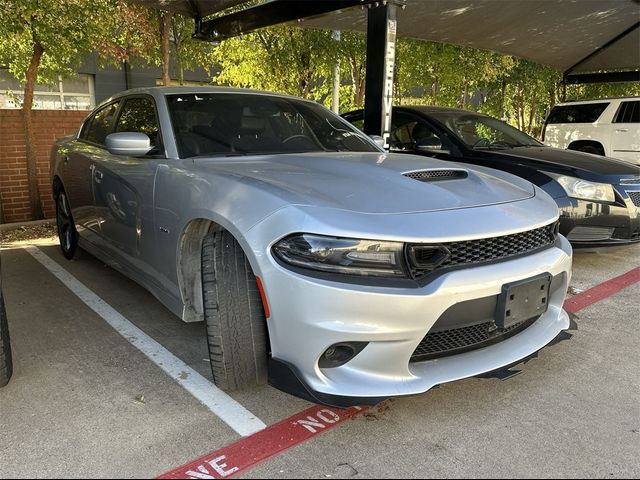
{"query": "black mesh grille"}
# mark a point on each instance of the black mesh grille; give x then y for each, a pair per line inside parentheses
(479, 251)
(635, 198)
(433, 175)
(458, 340)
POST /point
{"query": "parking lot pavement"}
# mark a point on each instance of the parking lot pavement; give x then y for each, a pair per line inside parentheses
(85, 402)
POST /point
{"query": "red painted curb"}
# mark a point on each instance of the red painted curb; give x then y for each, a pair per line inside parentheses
(600, 292)
(249, 451)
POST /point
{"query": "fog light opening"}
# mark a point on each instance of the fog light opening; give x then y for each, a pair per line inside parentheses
(340, 353)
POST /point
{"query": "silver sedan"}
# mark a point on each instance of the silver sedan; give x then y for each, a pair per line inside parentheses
(320, 263)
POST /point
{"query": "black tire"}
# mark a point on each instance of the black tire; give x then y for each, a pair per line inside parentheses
(6, 363)
(236, 325)
(67, 232)
(590, 149)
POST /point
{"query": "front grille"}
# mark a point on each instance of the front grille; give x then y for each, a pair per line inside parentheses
(635, 198)
(473, 252)
(630, 181)
(433, 175)
(458, 340)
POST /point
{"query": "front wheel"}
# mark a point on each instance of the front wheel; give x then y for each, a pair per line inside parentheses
(234, 314)
(67, 232)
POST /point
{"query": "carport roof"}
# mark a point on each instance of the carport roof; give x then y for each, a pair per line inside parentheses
(570, 35)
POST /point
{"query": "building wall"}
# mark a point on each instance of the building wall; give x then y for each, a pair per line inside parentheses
(49, 125)
(110, 79)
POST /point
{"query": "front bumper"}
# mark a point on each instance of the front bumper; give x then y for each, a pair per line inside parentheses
(309, 315)
(591, 224)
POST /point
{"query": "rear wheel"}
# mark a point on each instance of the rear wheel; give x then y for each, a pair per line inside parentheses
(6, 364)
(236, 323)
(67, 232)
(590, 149)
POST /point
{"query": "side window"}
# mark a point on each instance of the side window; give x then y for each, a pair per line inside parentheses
(407, 132)
(100, 125)
(580, 113)
(139, 115)
(629, 112)
(359, 123)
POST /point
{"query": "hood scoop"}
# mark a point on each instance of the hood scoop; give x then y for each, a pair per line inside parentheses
(437, 174)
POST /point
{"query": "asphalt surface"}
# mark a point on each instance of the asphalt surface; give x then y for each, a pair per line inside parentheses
(84, 402)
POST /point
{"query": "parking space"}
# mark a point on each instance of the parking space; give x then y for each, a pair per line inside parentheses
(86, 401)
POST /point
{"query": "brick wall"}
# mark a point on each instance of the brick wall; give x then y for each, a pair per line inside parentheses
(49, 125)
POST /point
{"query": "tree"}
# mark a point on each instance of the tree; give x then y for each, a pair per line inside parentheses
(189, 53)
(43, 39)
(282, 58)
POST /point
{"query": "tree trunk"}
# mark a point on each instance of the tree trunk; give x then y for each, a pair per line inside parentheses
(30, 139)
(503, 94)
(532, 111)
(465, 92)
(165, 29)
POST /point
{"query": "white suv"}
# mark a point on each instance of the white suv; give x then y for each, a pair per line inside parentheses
(608, 127)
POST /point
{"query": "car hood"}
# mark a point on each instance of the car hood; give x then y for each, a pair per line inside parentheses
(369, 182)
(570, 160)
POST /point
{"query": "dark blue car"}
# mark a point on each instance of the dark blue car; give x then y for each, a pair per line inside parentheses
(598, 197)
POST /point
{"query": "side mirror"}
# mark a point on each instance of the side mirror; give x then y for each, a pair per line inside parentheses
(379, 141)
(430, 144)
(134, 144)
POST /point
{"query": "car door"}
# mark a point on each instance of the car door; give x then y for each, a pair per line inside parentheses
(625, 138)
(123, 186)
(78, 165)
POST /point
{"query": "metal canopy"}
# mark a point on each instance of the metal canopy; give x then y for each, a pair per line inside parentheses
(557, 33)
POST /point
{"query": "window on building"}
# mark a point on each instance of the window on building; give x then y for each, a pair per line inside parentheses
(75, 93)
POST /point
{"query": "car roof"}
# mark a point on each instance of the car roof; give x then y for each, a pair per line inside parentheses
(426, 109)
(599, 100)
(434, 109)
(163, 91)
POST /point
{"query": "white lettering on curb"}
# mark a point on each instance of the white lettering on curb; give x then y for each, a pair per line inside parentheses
(220, 468)
(324, 416)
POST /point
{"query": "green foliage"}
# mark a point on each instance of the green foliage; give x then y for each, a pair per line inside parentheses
(189, 54)
(66, 30)
(281, 58)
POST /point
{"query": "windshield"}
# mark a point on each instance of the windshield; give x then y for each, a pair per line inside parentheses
(228, 124)
(482, 132)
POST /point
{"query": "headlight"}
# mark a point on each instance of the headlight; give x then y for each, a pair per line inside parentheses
(342, 255)
(582, 189)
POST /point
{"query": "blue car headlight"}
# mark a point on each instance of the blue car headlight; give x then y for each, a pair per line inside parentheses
(585, 190)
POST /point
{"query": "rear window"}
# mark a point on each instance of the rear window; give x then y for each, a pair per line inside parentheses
(629, 112)
(584, 113)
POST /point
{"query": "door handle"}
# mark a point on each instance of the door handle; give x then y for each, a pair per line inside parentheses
(622, 129)
(98, 175)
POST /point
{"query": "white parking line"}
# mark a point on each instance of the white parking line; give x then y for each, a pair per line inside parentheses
(221, 404)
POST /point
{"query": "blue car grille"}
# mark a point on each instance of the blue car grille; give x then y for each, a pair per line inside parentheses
(635, 198)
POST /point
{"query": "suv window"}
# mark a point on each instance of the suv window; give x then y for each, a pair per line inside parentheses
(139, 115)
(584, 113)
(629, 112)
(100, 125)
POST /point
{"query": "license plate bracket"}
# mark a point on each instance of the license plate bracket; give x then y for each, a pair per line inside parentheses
(523, 300)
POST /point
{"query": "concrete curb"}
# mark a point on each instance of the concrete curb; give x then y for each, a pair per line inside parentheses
(9, 227)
